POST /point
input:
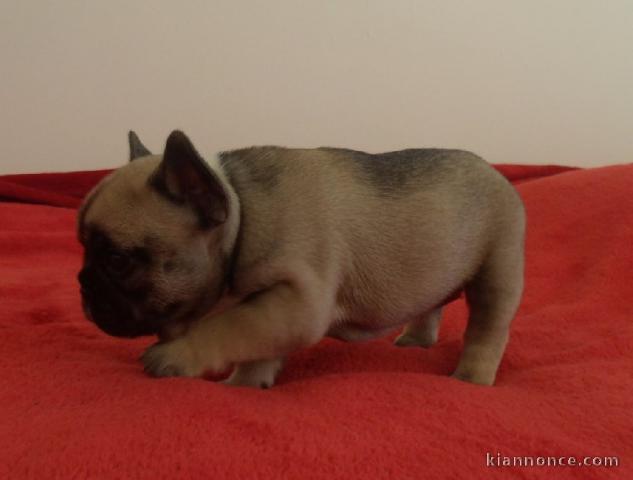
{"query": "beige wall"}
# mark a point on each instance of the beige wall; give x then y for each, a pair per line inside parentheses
(516, 81)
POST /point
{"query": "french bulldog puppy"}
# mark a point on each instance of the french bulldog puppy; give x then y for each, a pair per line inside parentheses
(237, 261)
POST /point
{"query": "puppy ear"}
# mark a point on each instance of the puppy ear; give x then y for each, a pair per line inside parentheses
(137, 149)
(185, 178)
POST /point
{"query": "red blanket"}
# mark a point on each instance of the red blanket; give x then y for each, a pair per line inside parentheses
(76, 404)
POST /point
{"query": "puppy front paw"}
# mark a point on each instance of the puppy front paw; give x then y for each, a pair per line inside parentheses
(174, 358)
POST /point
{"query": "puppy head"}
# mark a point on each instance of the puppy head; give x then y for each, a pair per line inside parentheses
(155, 234)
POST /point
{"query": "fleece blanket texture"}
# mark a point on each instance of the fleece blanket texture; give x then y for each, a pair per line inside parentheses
(75, 403)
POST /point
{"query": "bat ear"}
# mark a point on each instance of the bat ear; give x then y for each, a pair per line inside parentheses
(185, 178)
(137, 149)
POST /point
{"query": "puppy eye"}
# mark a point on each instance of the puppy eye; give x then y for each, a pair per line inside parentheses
(117, 262)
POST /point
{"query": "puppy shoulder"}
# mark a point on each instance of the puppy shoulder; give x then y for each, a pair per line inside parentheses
(258, 167)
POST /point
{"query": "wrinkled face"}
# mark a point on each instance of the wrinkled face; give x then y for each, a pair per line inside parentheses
(148, 259)
(130, 290)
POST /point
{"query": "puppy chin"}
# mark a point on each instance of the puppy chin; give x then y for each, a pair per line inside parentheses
(117, 326)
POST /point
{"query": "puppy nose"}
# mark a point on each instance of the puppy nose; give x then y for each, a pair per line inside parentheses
(82, 276)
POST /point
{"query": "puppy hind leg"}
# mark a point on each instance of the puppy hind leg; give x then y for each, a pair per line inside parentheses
(421, 332)
(493, 298)
(257, 374)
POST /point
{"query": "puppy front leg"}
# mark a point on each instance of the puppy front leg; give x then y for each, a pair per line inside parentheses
(267, 326)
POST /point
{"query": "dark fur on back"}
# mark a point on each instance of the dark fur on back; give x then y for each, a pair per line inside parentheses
(391, 173)
(394, 173)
